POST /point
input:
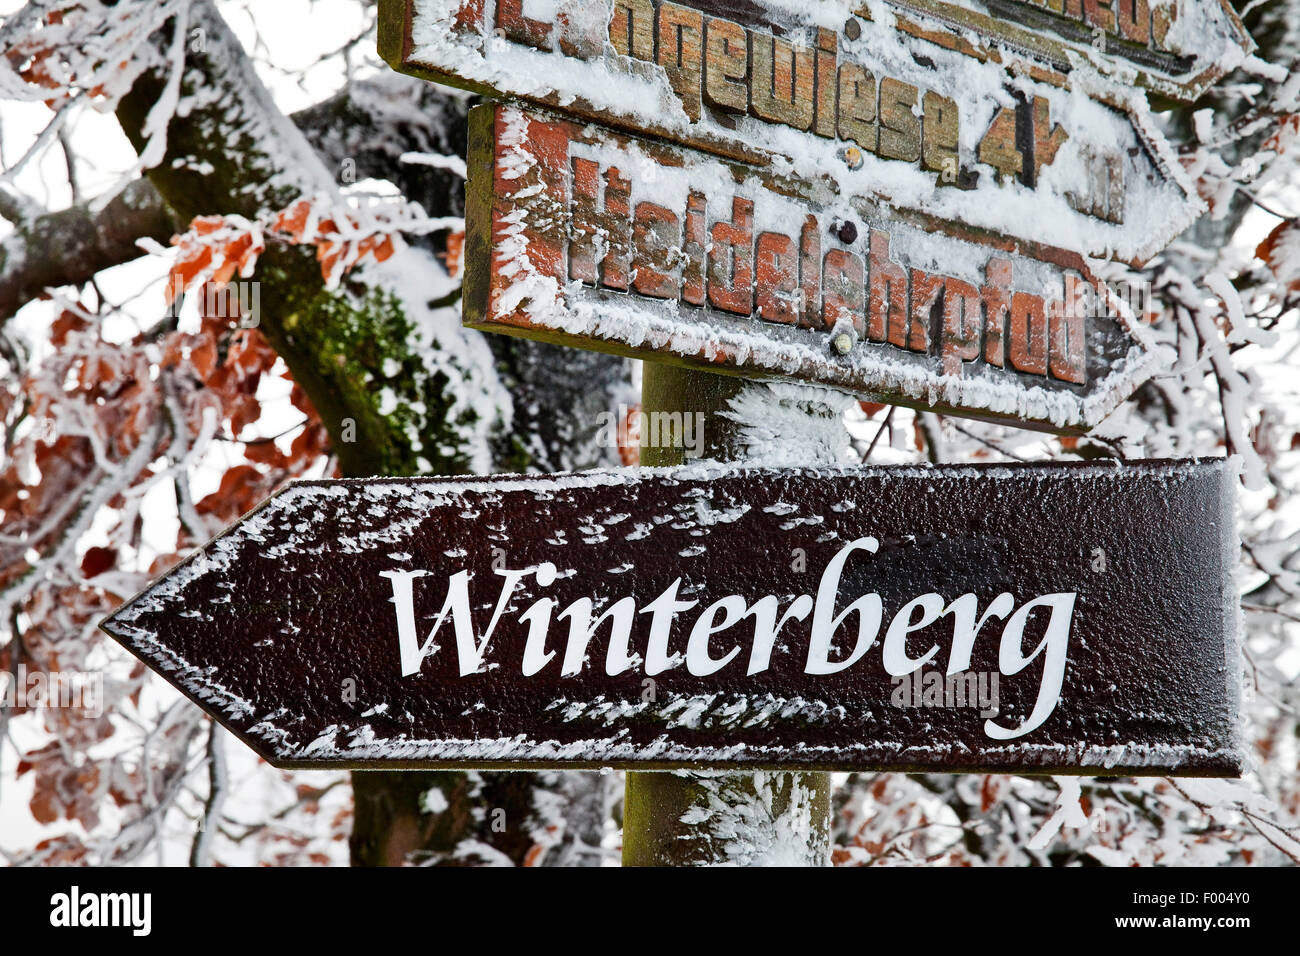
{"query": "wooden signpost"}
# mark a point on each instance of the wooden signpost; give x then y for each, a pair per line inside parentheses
(893, 199)
(1052, 618)
(921, 121)
(1177, 48)
(584, 237)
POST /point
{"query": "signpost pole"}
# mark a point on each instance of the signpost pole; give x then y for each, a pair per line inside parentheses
(700, 817)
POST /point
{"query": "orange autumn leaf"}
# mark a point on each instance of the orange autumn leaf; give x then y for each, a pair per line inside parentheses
(1280, 251)
(186, 270)
(233, 497)
(206, 225)
(292, 222)
(66, 323)
(1287, 127)
(328, 255)
(266, 452)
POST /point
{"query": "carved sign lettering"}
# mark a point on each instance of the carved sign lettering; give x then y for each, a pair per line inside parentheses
(899, 113)
(589, 238)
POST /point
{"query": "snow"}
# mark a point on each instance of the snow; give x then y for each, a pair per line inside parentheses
(361, 744)
(480, 404)
(697, 711)
(788, 424)
(434, 801)
(1202, 33)
(762, 819)
(1068, 813)
(1160, 203)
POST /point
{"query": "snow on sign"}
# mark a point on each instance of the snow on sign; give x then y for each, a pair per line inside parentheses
(826, 91)
(1050, 618)
(589, 238)
(1178, 48)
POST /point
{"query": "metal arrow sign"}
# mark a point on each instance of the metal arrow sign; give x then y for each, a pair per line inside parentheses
(1040, 618)
(916, 121)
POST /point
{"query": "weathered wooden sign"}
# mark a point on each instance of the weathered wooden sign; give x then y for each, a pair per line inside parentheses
(1177, 48)
(584, 237)
(1052, 617)
(822, 92)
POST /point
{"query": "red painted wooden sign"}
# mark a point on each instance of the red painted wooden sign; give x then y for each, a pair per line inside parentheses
(1054, 618)
(584, 237)
(905, 106)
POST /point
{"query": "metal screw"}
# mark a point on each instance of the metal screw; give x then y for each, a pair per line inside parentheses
(842, 343)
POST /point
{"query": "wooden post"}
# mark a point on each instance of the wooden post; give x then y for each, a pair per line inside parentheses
(711, 818)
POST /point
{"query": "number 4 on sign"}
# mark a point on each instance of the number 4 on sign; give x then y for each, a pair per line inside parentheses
(1022, 158)
(998, 147)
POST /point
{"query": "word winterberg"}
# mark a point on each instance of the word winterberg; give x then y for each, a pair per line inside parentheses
(764, 619)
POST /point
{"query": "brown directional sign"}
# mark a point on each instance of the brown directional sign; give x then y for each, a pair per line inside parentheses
(1063, 618)
(584, 237)
(1178, 48)
(922, 121)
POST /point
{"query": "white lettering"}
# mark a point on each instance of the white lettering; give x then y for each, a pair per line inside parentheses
(698, 661)
(1011, 658)
(867, 607)
(894, 653)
